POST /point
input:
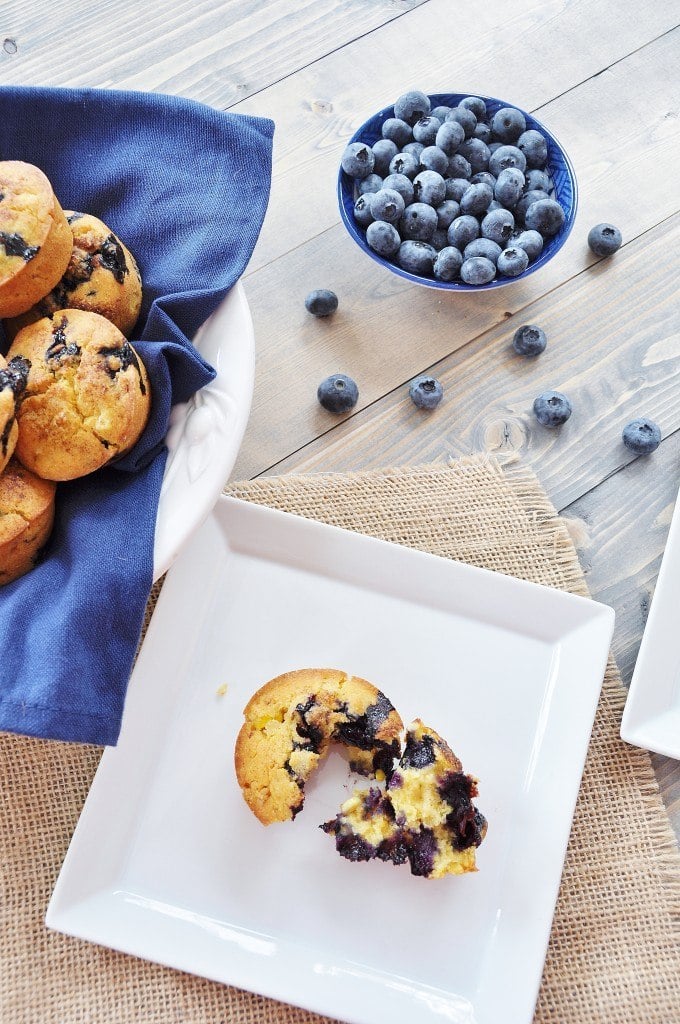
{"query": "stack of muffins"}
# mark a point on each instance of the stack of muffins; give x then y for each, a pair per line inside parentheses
(74, 394)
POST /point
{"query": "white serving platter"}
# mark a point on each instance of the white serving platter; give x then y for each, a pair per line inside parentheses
(651, 717)
(167, 862)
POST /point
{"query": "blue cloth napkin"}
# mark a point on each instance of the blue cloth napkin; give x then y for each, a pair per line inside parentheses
(186, 188)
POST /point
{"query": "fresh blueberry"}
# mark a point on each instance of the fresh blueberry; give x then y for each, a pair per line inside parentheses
(425, 392)
(358, 160)
(447, 212)
(464, 117)
(414, 148)
(362, 211)
(642, 436)
(405, 163)
(417, 257)
(534, 147)
(449, 137)
(529, 340)
(483, 247)
(495, 205)
(604, 239)
(338, 393)
(321, 302)
(448, 263)
(383, 151)
(476, 153)
(493, 146)
(459, 167)
(383, 238)
(507, 156)
(476, 199)
(552, 408)
(498, 226)
(429, 187)
(411, 106)
(476, 105)
(512, 262)
(432, 158)
(477, 270)
(546, 216)
(397, 130)
(530, 241)
(439, 239)
(482, 131)
(507, 124)
(526, 201)
(440, 112)
(483, 178)
(387, 204)
(536, 179)
(425, 130)
(371, 183)
(509, 185)
(455, 187)
(462, 230)
(418, 222)
(401, 184)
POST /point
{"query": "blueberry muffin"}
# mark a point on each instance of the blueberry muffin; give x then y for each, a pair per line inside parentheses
(101, 276)
(35, 239)
(289, 726)
(13, 378)
(424, 817)
(87, 396)
(26, 517)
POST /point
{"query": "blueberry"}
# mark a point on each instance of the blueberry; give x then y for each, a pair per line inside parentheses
(642, 436)
(362, 211)
(552, 408)
(459, 167)
(483, 247)
(432, 158)
(338, 393)
(440, 112)
(387, 204)
(404, 163)
(525, 202)
(534, 147)
(462, 230)
(530, 241)
(397, 130)
(476, 153)
(604, 239)
(535, 179)
(455, 187)
(507, 156)
(546, 216)
(498, 226)
(507, 124)
(358, 160)
(512, 262)
(477, 270)
(425, 130)
(509, 185)
(529, 340)
(495, 205)
(411, 106)
(401, 184)
(439, 239)
(464, 117)
(418, 222)
(425, 392)
(414, 148)
(383, 238)
(483, 178)
(371, 183)
(321, 302)
(447, 212)
(417, 257)
(429, 187)
(449, 137)
(476, 199)
(476, 105)
(483, 132)
(383, 151)
(448, 263)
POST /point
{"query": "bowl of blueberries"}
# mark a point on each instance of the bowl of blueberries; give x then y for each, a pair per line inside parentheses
(457, 192)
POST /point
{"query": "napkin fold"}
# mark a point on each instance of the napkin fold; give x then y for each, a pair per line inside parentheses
(186, 187)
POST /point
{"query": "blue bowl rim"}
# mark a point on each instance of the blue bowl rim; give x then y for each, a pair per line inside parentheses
(346, 198)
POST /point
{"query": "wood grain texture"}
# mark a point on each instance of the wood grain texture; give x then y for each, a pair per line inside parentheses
(215, 52)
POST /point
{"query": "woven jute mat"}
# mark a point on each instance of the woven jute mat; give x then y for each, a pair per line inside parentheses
(614, 954)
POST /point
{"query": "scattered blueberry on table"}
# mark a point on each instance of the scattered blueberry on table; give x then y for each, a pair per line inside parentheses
(425, 392)
(321, 302)
(604, 239)
(529, 340)
(552, 408)
(642, 436)
(338, 393)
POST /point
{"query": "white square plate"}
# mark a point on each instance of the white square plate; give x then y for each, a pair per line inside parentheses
(168, 863)
(651, 717)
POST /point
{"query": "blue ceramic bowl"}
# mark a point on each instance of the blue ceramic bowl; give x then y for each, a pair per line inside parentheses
(558, 166)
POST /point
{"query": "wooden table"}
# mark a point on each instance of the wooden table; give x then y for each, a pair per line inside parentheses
(603, 76)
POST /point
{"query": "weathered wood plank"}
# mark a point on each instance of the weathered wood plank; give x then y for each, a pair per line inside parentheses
(614, 348)
(216, 52)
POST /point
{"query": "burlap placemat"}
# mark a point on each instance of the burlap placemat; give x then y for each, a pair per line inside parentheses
(614, 954)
